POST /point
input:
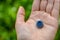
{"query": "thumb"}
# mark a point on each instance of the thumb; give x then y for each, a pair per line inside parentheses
(20, 15)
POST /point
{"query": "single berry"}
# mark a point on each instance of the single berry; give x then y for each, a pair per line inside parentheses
(39, 24)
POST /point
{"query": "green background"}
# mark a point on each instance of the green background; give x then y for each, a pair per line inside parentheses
(8, 12)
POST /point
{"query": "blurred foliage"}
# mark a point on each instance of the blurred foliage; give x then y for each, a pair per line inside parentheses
(8, 12)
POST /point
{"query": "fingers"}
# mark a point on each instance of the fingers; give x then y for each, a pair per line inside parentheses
(35, 6)
(43, 5)
(49, 6)
(55, 11)
(20, 15)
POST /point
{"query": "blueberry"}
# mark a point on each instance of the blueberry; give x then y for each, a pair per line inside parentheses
(39, 24)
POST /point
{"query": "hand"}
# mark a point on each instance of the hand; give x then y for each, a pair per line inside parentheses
(45, 10)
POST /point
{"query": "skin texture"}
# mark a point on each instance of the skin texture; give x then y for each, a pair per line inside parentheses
(45, 10)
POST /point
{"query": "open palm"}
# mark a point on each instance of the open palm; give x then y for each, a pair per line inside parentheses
(45, 10)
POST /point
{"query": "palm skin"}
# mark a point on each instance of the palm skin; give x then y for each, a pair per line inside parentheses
(42, 11)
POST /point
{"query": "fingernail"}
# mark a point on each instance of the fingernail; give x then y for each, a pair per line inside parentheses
(21, 9)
